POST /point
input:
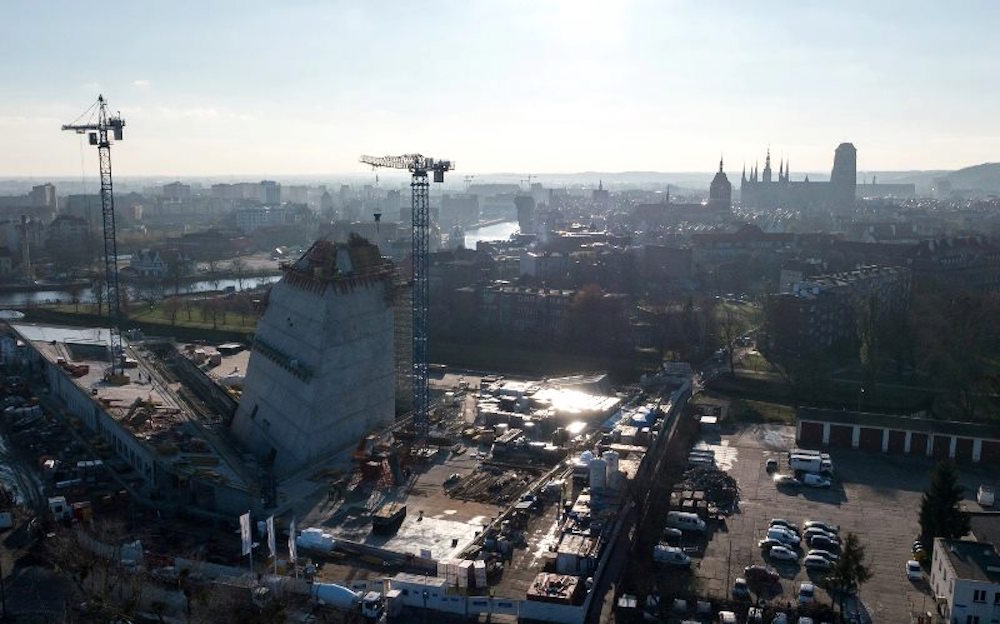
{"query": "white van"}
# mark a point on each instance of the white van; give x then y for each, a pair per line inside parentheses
(685, 521)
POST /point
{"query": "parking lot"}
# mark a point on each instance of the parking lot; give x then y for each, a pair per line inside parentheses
(877, 497)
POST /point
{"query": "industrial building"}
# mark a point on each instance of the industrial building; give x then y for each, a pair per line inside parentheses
(322, 372)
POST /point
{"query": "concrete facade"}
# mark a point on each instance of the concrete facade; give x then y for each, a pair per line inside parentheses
(322, 371)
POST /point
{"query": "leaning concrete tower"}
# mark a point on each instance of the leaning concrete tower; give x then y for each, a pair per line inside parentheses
(322, 370)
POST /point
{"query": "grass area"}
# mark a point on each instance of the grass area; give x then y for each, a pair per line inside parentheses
(231, 321)
(747, 411)
(159, 315)
(744, 316)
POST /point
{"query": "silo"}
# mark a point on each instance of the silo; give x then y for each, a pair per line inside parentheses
(598, 474)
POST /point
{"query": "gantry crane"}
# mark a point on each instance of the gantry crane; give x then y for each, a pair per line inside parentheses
(99, 132)
(418, 166)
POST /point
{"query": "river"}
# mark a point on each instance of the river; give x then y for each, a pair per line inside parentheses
(39, 297)
(497, 231)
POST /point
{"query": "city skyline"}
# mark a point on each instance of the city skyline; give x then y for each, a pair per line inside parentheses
(544, 87)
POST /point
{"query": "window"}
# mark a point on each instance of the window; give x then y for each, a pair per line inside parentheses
(996, 599)
(972, 619)
(979, 595)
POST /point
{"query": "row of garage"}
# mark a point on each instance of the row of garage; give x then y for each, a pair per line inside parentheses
(899, 441)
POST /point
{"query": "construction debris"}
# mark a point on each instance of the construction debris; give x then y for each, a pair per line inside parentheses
(719, 488)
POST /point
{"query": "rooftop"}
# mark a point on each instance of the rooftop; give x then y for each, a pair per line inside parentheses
(149, 407)
(975, 561)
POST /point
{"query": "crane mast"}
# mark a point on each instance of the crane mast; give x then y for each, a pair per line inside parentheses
(418, 166)
(99, 135)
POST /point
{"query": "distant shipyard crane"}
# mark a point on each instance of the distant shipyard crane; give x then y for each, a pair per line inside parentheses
(418, 166)
(98, 132)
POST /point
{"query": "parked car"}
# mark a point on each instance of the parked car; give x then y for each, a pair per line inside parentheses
(830, 528)
(761, 575)
(741, 591)
(826, 554)
(783, 535)
(807, 594)
(671, 556)
(784, 523)
(755, 615)
(782, 553)
(913, 571)
(672, 536)
(786, 481)
(815, 562)
(815, 480)
(779, 618)
(727, 617)
(771, 465)
(814, 531)
(822, 542)
(768, 543)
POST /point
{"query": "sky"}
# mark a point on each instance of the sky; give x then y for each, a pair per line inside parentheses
(533, 86)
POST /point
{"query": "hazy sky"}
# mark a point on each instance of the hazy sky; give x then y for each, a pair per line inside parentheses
(216, 87)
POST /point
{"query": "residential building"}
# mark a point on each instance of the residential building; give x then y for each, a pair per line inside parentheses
(965, 578)
(821, 312)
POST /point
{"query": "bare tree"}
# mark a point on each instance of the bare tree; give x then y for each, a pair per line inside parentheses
(171, 307)
(99, 290)
(75, 290)
(239, 267)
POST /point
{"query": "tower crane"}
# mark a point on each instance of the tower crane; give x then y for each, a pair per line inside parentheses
(418, 166)
(100, 133)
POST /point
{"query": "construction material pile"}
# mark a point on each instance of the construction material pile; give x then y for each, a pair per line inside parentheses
(491, 484)
(720, 488)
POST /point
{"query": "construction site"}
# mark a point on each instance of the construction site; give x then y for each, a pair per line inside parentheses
(489, 494)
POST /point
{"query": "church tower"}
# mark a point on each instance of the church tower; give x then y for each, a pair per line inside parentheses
(767, 166)
(720, 192)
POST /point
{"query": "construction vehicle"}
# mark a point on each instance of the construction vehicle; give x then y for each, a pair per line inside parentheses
(370, 606)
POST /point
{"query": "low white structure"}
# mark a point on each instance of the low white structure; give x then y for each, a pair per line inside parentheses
(965, 578)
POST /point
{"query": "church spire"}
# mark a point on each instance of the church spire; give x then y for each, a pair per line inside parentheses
(720, 163)
(788, 170)
(744, 178)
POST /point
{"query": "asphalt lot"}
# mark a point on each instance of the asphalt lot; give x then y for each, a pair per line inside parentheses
(877, 497)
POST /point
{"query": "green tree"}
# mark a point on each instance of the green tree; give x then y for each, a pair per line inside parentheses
(940, 514)
(849, 572)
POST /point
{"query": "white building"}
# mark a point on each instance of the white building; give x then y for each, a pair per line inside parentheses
(965, 578)
(322, 371)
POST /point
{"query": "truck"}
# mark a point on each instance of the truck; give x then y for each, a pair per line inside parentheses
(371, 605)
(811, 463)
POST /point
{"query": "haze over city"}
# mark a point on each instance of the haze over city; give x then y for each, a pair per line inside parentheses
(569, 311)
(303, 88)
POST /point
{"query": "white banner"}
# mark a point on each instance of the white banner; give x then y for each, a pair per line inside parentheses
(271, 544)
(293, 555)
(246, 538)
